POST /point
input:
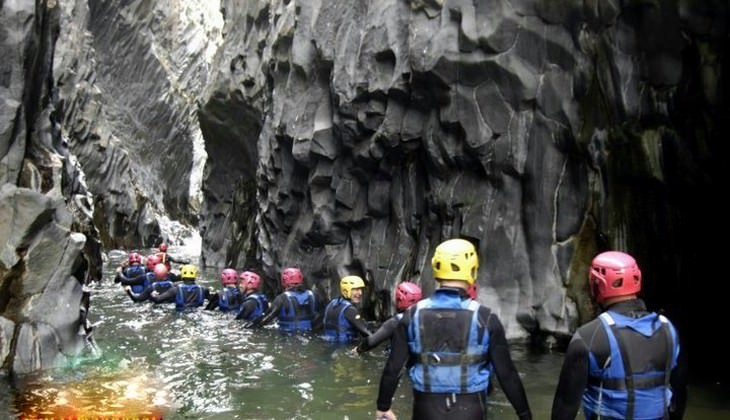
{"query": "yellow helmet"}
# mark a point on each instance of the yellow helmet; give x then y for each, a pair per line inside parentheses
(455, 259)
(348, 283)
(188, 271)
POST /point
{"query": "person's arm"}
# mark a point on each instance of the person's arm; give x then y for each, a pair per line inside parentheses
(134, 281)
(139, 297)
(270, 314)
(166, 296)
(247, 309)
(572, 381)
(678, 382)
(352, 315)
(383, 333)
(213, 298)
(505, 369)
(393, 368)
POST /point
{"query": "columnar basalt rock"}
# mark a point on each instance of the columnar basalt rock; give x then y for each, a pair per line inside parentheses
(540, 130)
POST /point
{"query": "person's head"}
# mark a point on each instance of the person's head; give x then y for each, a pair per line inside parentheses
(160, 271)
(351, 288)
(152, 261)
(455, 261)
(135, 258)
(291, 277)
(614, 276)
(188, 272)
(229, 277)
(406, 295)
(163, 247)
(250, 281)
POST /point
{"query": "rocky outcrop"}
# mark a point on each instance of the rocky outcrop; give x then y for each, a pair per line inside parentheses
(51, 246)
(542, 131)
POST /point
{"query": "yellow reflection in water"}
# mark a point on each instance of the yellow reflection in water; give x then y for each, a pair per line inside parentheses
(123, 394)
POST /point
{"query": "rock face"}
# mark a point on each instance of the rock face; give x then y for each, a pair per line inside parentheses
(52, 248)
(543, 131)
(351, 137)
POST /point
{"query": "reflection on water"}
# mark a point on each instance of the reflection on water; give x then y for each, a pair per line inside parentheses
(155, 363)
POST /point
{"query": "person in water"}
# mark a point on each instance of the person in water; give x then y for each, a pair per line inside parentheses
(297, 308)
(407, 294)
(230, 298)
(255, 303)
(143, 279)
(187, 295)
(449, 341)
(160, 284)
(626, 363)
(166, 258)
(342, 320)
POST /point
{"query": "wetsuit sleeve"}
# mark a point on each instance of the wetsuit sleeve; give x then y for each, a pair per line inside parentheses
(140, 297)
(572, 381)
(213, 299)
(383, 333)
(248, 307)
(273, 310)
(678, 381)
(125, 281)
(394, 366)
(352, 315)
(504, 367)
(166, 296)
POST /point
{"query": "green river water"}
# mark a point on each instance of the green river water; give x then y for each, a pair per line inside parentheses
(155, 363)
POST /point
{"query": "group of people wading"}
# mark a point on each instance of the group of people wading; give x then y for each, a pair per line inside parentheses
(625, 364)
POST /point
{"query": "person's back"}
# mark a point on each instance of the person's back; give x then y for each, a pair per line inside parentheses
(295, 308)
(450, 342)
(623, 364)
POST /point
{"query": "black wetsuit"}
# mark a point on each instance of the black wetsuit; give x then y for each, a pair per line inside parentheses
(592, 338)
(438, 406)
(385, 332)
(248, 307)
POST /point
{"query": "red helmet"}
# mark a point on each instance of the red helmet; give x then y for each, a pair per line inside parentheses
(152, 261)
(291, 277)
(473, 291)
(250, 280)
(163, 247)
(612, 274)
(406, 294)
(160, 271)
(135, 258)
(229, 276)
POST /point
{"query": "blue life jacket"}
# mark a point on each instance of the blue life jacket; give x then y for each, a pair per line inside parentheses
(615, 390)
(262, 304)
(448, 345)
(298, 313)
(336, 327)
(134, 271)
(189, 295)
(161, 286)
(230, 299)
(149, 278)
